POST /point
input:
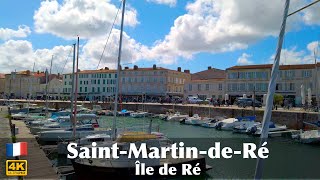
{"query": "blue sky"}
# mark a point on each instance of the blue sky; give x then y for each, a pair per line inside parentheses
(191, 34)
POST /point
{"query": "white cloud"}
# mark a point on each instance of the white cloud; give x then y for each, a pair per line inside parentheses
(19, 55)
(311, 15)
(132, 51)
(21, 32)
(170, 3)
(86, 18)
(216, 26)
(244, 59)
(294, 56)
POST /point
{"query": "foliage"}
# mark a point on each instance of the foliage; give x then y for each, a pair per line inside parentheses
(278, 99)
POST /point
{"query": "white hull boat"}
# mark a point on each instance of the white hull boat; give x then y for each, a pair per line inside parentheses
(139, 114)
(67, 134)
(308, 137)
(176, 117)
(257, 129)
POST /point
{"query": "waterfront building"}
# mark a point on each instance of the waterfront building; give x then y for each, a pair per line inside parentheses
(252, 79)
(92, 84)
(2, 84)
(206, 84)
(54, 88)
(21, 84)
(134, 82)
(153, 82)
(24, 83)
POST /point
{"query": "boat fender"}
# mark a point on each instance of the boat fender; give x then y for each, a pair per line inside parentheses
(219, 125)
(253, 130)
(183, 120)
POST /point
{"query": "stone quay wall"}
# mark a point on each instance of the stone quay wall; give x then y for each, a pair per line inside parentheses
(293, 119)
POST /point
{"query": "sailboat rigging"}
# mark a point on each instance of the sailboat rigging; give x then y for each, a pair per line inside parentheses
(114, 124)
(271, 91)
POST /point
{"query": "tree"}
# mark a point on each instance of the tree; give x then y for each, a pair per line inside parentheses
(278, 99)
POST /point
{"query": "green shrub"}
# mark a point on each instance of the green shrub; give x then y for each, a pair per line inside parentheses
(278, 99)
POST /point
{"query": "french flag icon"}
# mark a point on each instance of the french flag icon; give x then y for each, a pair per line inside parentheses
(17, 149)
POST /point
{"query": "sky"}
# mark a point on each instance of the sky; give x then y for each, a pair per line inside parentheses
(192, 34)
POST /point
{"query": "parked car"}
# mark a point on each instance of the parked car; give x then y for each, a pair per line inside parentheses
(245, 102)
(194, 100)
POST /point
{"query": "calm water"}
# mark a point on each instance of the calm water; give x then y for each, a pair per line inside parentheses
(287, 159)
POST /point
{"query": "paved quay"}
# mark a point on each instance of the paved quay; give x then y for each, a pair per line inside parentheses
(39, 166)
(5, 137)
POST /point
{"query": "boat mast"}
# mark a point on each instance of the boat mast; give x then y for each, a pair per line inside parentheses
(76, 91)
(72, 91)
(316, 81)
(114, 125)
(271, 91)
(30, 90)
(46, 92)
(47, 80)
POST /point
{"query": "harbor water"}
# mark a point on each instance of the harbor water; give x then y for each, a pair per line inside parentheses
(287, 159)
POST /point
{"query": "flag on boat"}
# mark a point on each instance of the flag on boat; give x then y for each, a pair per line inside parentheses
(17, 149)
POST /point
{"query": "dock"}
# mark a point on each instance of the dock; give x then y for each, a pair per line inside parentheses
(282, 133)
(5, 134)
(39, 166)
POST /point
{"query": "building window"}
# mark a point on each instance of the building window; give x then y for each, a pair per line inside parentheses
(233, 75)
(207, 87)
(291, 87)
(250, 86)
(93, 89)
(80, 82)
(98, 81)
(190, 87)
(306, 73)
(199, 87)
(80, 89)
(85, 89)
(220, 87)
(98, 89)
(242, 87)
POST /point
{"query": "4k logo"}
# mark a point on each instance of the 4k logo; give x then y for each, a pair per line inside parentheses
(16, 167)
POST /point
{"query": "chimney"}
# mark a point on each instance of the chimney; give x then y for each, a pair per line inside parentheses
(38, 72)
(78, 70)
(126, 67)
(28, 73)
(187, 71)
(106, 68)
(209, 67)
(58, 75)
(154, 67)
(179, 69)
(135, 67)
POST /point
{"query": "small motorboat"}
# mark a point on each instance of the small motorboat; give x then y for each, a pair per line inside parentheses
(242, 128)
(257, 129)
(139, 114)
(229, 124)
(176, 117)
(212, 122)
(124, 112)
(308, 137)
(67, 134)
